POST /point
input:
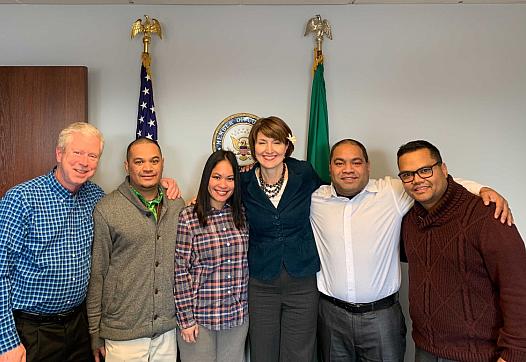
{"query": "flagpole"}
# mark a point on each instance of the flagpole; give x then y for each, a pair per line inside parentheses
(146, 116)
(318, 136)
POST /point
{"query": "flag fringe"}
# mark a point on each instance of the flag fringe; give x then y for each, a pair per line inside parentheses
(147, 61)
(318, 59)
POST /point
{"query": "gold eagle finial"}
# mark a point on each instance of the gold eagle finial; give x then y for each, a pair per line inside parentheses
(320, 28)
(147, 28)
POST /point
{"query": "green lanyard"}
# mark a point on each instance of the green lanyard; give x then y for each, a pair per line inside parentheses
(151, 205)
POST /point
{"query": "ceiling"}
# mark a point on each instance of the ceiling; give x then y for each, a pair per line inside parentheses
(256, 2)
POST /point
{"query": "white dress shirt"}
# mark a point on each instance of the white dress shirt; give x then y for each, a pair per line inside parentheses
(358, 239)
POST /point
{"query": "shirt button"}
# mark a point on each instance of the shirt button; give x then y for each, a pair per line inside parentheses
(228, 277)
(73, 278)
(224, 229)
(155, 317)
(156, 264)
(228, 261)
(227, 244)
(156, 291)
(229, 292)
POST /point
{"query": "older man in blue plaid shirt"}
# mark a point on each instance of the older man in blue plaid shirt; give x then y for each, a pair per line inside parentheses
(46, 229)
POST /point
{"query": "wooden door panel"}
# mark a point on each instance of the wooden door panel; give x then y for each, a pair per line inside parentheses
(35, 104)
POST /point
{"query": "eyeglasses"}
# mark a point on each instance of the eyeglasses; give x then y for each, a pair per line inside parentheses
(423, 172)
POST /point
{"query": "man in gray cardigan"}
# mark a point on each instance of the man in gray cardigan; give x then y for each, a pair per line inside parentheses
(131, 311)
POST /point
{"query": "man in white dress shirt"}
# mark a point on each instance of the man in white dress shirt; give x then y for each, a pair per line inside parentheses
(356, 224)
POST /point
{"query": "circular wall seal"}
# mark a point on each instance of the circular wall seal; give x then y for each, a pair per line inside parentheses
(232, 135)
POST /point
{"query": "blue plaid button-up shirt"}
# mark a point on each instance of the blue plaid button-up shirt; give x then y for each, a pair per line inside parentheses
(45, 247)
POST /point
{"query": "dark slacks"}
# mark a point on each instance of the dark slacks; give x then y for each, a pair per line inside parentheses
(424, 356)
(46, 341)
(371, 336)
(283, 316)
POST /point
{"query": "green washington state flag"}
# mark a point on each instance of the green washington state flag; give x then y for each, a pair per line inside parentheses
(318, 141)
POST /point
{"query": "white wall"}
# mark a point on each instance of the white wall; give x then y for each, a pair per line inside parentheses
(451, 74)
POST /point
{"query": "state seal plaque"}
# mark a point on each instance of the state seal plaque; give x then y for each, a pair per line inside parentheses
(232, 135)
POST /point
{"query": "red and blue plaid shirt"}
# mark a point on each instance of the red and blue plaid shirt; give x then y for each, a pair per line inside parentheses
(211, 271)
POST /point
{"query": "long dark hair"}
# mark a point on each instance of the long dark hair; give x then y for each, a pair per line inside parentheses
(202, 206)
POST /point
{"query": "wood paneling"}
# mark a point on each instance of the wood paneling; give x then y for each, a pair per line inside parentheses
(35, 104)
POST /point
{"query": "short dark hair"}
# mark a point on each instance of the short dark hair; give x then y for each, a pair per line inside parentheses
(273, 127)
(419, 145)
(349, 141)
(139, 141)
(202, 206)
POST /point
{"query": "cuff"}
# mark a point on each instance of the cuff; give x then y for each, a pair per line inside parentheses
(96, 341)
(9, 340)
(185, 319)
(513, 355)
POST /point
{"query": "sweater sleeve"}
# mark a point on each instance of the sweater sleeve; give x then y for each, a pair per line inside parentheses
(100, 261)
(505, 258)
(183, 292)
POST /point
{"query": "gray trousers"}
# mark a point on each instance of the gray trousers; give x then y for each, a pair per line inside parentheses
(227, 345)
(424, 356)
(370, 336)
(283, 319)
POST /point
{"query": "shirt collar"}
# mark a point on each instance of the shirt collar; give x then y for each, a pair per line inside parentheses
(57, 186)
(150, 205)
(226, 207)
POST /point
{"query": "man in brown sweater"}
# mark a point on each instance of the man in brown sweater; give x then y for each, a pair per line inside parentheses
(467, 271)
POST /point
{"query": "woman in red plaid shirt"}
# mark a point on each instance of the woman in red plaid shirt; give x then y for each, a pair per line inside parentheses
(211, 267)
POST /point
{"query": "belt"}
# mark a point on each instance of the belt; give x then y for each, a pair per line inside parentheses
(48, 318)
(363, 307)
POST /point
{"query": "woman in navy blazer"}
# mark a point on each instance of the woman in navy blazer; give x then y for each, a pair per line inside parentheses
(283, 259)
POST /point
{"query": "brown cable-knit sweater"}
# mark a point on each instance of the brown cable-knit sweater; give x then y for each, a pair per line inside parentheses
(467, 280)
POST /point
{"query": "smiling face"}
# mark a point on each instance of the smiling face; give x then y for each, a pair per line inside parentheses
(270, 152)
(145, 168)
(426, 191)
(349, 170)
(221, 184)
(78, 160)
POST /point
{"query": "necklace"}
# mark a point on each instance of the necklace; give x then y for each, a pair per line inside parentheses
(272, 190)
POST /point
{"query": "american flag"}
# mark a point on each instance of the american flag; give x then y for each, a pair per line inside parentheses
(146, 119)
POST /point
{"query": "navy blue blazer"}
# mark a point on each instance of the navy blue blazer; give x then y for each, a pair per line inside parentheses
(283, 235)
